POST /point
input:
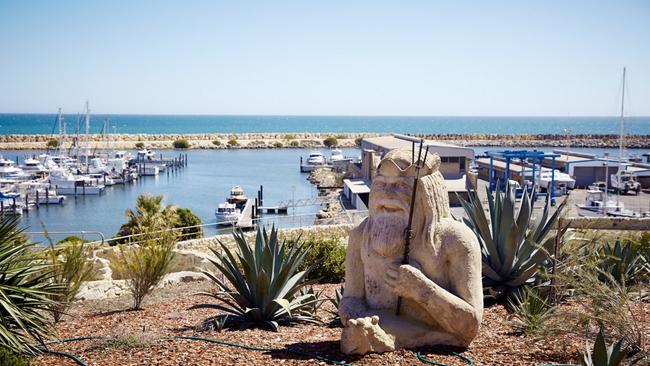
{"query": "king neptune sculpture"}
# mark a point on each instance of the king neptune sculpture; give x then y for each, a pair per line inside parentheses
(442, 302)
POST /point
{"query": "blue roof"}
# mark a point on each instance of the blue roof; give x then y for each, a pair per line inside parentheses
(522, 154)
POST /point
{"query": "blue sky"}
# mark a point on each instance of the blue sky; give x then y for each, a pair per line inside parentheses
(325, 57)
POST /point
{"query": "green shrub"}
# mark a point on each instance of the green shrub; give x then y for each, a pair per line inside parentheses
(261, 285)
(358, 141)
(290, 137)
(27, 290)
(294, 143)
(72, 267)
(277, 144)
(513, 246)
(146, 264)
(181, 144)
(186, 219)
(233, 142)
(53, 143)
(216, 142)
(330, 141)
(326, 257)
(532, 312)
(139, 145)
(342, 136)
(11, 358)
(152, 228)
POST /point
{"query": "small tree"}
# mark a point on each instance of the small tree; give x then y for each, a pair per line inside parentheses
(216, 142)
(277, 144)
(189, 223)
(181, 144)
(330, 141)
(233, 142)
(70, 260)
(52, 143)
(294, 143)
(358, 141)
(146, 264)
(139, 145)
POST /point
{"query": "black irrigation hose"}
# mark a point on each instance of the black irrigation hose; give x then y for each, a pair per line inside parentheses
(79, 362)
(74, 358)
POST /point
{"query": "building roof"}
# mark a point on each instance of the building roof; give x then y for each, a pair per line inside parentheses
(440, 148)
(357, 186)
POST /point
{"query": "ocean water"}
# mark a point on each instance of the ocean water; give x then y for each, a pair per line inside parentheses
(45, 124)
(200, 186)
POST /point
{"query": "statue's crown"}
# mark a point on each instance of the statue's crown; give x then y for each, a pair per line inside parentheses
(402, 163)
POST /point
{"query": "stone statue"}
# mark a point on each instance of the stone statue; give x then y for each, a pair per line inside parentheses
(441, 291)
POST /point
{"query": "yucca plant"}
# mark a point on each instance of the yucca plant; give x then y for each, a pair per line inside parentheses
(622, 262)
(513, 246)
(532, 312)
(603, 355)
(262, 284)
(27, 290)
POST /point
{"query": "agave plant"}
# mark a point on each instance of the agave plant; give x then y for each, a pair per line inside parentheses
(27, 290)
(513, 246)
(621, 262)
(262, 284)
(602, 355)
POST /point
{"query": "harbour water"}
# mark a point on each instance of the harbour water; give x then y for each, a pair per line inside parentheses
(153, 124)
(201, 186)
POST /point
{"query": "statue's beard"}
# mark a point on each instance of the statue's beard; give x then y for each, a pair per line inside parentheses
(387, 233)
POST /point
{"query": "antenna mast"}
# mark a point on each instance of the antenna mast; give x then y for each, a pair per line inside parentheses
(620, 144)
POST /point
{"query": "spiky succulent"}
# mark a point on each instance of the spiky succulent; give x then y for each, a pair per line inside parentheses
(261, 284)
(621, 262)
(513, 246)
(603, 355)
(27, 290)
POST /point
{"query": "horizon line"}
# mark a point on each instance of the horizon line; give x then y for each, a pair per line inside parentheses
(330, 115)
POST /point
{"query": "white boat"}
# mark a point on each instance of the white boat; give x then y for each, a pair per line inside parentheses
(8, 170)
(40, 193)
(67, 183)
(11, 204)
(336, 155)
(33, 167)
(97, 166)
(237, 196)
(598, 202)
(315, 158)
(146, 154)
(227, 214)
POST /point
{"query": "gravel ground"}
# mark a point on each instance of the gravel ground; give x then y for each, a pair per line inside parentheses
(143, 337)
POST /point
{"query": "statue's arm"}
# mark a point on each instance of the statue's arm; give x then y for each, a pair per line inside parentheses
(458, 311)
(353, 303)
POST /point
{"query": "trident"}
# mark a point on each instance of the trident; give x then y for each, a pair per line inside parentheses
(418, 165)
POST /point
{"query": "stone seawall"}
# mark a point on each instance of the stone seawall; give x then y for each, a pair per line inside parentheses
(314, 140)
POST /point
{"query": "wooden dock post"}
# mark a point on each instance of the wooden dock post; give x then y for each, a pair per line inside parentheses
(26, 201)
(37, 199)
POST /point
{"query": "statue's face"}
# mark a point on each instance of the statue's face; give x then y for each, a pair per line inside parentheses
(388, 214)
(390, 195)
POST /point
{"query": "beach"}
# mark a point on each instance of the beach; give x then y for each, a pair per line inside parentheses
(314, 140)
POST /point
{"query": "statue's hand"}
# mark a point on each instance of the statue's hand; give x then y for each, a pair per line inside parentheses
(363, 335)
(398, 276)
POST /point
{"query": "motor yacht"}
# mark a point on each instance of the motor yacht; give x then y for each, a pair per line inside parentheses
(67, 183)
(316, 158)
(227, 214)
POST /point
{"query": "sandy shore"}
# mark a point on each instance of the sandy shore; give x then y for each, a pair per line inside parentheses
(314, 140)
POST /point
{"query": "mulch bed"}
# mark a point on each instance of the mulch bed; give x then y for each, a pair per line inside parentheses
(145, 337)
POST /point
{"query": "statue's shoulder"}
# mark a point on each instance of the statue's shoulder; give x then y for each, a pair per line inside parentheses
(457, 236)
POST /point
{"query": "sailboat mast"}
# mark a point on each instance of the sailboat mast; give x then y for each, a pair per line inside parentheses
(620, 143)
